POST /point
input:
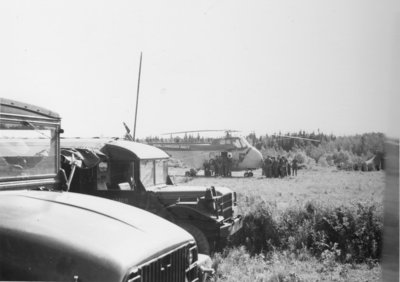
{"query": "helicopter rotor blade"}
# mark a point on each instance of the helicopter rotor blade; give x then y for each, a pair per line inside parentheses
(295, 137)
(202, 130)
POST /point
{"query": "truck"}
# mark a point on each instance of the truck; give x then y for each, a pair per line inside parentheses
(50, 234)
(137, 174)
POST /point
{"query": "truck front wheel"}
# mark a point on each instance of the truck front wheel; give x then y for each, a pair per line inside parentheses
(201, 240)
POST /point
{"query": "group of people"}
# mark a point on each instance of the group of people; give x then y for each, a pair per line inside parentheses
(220, 166)
(279, 167)
(273, 167)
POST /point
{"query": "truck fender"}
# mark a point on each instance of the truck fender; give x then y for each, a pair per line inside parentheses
(188, 213)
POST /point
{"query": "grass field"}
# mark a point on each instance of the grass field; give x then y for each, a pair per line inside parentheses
(324, 187)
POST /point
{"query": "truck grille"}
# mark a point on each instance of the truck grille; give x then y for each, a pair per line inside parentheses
(226, 206)
(171, 267)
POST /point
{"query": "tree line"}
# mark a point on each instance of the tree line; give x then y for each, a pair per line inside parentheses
(347, 152)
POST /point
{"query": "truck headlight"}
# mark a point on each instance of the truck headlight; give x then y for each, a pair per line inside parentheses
(190, 258)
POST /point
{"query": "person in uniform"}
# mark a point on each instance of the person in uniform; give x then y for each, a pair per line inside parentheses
(263, 168)
(288, 168)
(229, 164)
(275, 168)
(218, 170)
(212, 167)
(282, 167)
(224, 159)
(206, 167)
(279, 163)
(294, 167)
(269, 167)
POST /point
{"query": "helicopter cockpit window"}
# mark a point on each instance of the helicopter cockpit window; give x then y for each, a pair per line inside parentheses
(222, 142)
(244, 143)
(237, 143)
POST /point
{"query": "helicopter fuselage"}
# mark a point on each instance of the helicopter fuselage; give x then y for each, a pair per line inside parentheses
(243, 155)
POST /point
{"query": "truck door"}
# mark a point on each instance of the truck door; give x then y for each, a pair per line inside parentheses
(116, 181)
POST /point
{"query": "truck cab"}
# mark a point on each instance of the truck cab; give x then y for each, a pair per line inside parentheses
(137, 174)
(48, 234)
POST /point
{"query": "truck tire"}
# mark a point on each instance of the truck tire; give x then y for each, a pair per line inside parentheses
(201, 240)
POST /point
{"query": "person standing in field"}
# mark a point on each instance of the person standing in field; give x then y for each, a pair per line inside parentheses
(275, 167)
(212, 167)
(264, 167)
(294, 167)
(268, 167)
(219, 165)
(224, 165)
(285, 162)
(229, 164)
(282, 167)
(206, 167)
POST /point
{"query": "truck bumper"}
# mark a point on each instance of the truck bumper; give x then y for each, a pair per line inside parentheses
(231, 226)
(206, 272)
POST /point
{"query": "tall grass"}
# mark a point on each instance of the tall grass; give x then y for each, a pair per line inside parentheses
(352, 233)
(323, 225)
(236, 264)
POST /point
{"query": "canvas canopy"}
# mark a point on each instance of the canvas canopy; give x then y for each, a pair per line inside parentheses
(110, 148)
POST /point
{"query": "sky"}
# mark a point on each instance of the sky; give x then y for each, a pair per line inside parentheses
(254, 66)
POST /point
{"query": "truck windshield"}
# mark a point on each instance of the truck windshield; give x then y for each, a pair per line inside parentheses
(153, 172)
(27, 149)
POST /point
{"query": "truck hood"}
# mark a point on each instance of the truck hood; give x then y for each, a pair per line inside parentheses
(91, 229)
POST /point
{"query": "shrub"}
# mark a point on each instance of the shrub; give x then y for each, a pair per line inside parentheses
(301, 157)
(353, 233)
(259, 232)
(341, 157)
(323, 161)
(315, 152)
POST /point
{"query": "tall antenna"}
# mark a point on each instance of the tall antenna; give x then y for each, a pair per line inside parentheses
(137, 96)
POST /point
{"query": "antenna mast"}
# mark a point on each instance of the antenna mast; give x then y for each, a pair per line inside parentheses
(137, 97)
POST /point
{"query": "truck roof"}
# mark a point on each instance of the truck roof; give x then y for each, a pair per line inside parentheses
(8, 106)
(116, 148)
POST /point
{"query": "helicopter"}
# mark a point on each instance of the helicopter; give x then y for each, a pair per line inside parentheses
(242, 156)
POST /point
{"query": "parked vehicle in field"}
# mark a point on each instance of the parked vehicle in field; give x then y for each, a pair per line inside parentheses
(47, 234)
(137, 174)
